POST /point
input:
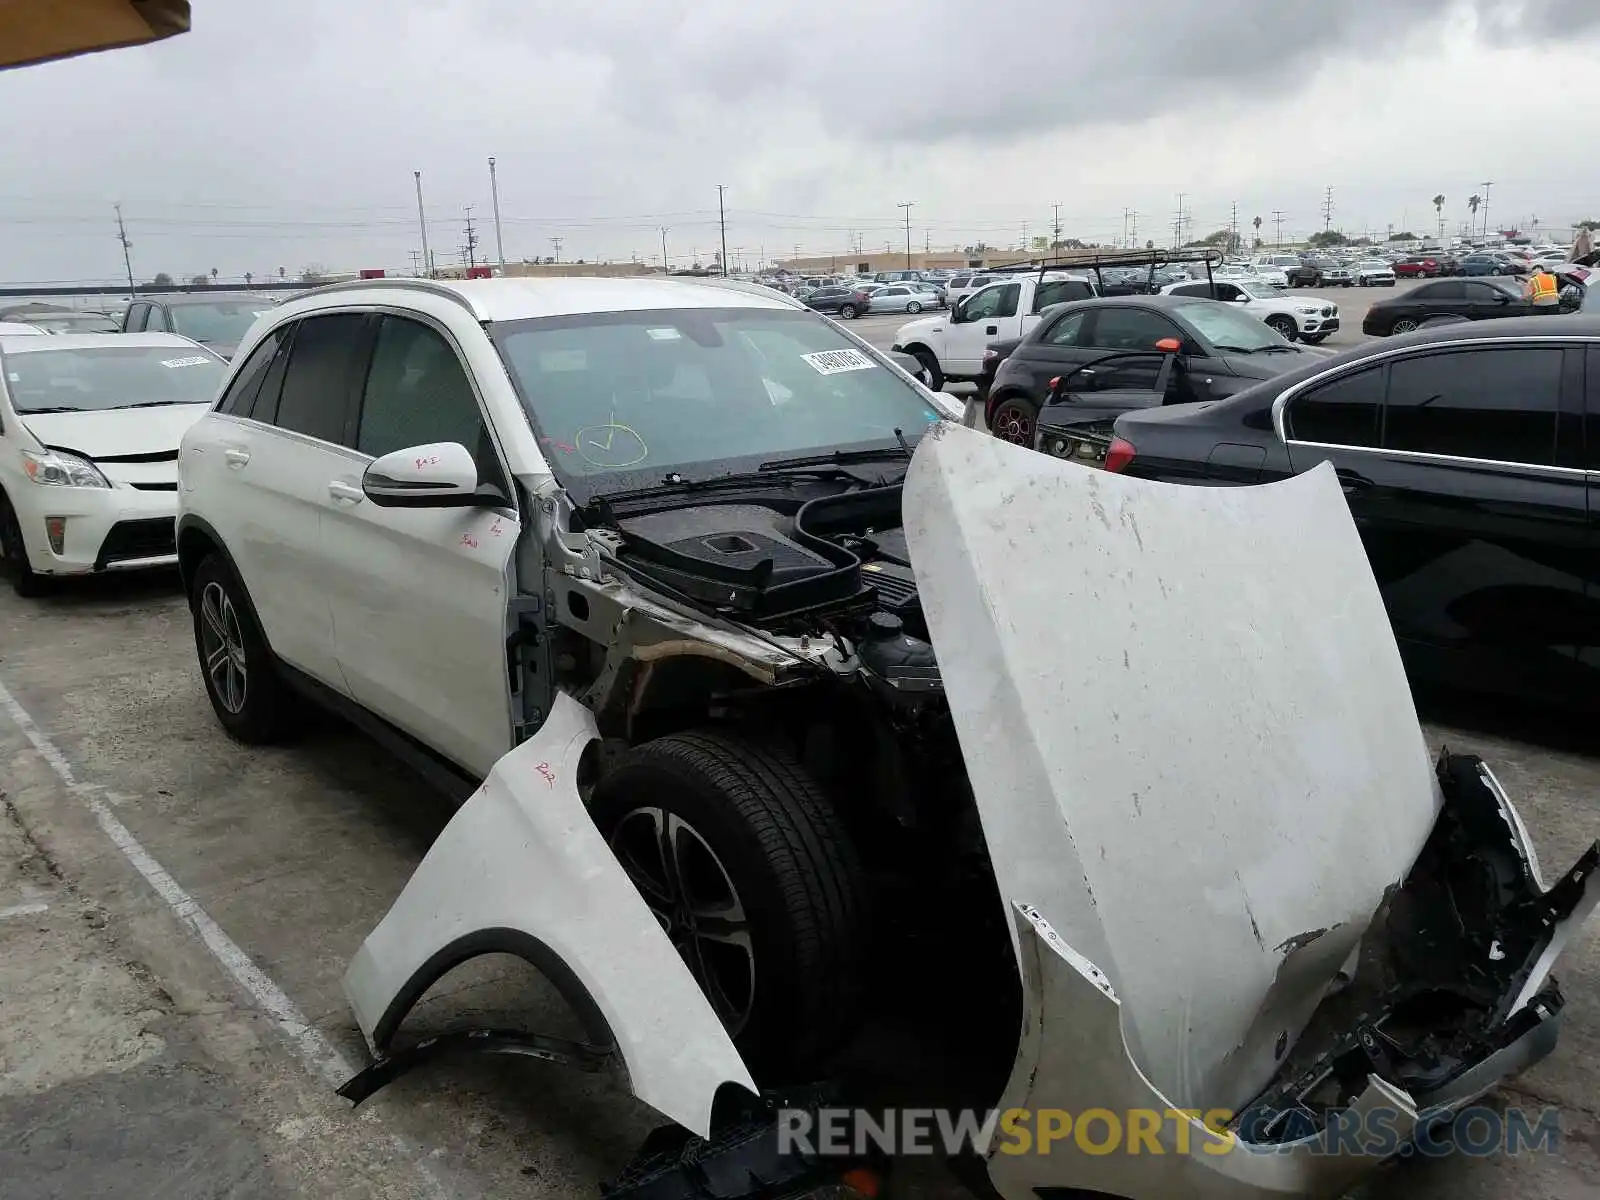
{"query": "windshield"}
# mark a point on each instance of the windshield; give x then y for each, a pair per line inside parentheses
(701, 391)
(222, 323)
(113, 376)
(1228, 330)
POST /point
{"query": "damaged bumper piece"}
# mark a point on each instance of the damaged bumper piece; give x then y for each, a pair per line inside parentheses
(1236, 894)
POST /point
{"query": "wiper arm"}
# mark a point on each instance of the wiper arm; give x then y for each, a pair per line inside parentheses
(157, 404)
(836, 457)
(675, 483)
(29, 412)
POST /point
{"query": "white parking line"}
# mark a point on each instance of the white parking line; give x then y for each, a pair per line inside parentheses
(23, 910)
(319, 1055)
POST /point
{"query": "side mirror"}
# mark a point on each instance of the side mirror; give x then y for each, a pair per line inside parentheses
(438, 475)
(958, 312)
(1169, 345)
(1502, 298)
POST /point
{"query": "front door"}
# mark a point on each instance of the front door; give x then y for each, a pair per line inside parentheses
(985, 317)
(1460, 474)
(419, 595)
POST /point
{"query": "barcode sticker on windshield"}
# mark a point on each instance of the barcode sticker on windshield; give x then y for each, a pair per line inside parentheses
(832, 362)
(195, 361)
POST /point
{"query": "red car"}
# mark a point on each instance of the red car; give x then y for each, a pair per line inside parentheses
(1420, 266)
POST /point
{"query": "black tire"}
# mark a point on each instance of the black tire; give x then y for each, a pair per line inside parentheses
(847, 311)
(243, 685)
(1284, 326)
(14, 555)
(1314, 339)
(1014, 419)
(758, 819)
(930, 364)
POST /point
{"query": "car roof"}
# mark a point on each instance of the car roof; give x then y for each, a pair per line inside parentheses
(519, 299)
(30, 342)
(19, 328)
(206, 297)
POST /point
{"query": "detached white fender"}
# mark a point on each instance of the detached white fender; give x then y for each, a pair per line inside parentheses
(521, 869)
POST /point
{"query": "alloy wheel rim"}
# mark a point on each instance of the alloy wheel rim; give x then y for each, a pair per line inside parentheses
(1012, 425)
(693, 898)
(222, 648)
(1404, 325)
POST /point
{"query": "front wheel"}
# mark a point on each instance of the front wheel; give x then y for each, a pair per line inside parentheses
(930, 364)
(913, 307)
(745, 866)
(847, 311)
(1014, 420)
(1284, 326)
(14, 554)
(241, 679)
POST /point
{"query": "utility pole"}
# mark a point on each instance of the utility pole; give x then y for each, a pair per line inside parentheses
(1277, 219)
(664, 249)
(494, 194)
(1055, 225)
(1133, 226)
(416, 260)
(722, 220)
(555, 244)
(927, 241)
(472, 241)
(1233, 229)
(127, 246)
(422, 223)
(1487, 184)
(1177, 222)
(908, 206)
(1327, 208)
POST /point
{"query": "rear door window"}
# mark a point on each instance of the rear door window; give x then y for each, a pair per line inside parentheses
(1498, 404)
(1342, 412)
(321, 369)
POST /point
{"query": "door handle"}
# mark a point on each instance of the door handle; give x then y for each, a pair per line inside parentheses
(1353, 482)
(345, 493)
(236, 457)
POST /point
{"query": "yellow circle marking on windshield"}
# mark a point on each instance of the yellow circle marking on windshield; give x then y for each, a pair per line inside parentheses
(613, 443)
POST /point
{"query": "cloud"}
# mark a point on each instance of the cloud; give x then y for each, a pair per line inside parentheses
(285, 133)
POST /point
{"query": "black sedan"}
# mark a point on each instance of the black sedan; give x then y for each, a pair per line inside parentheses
(1463, 457)
(1218, 352)
(1446, 299)
(846, 302)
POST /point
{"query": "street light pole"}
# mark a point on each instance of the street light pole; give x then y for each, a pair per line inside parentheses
(494, 195)
(1487, 184)
(422, 223)
(722, 220)
(908, 206)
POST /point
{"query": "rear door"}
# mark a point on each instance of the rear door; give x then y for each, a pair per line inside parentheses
(419, 595)
(1462, 475)
(1446, 298)
(283, 457)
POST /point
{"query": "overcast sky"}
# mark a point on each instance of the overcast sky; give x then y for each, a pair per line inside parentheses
(285, 133)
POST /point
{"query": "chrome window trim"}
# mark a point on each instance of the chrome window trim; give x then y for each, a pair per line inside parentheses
(1281, 401)
(1453, 460)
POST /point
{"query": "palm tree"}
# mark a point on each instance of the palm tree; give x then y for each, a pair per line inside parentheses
(1256, 221)
(1438, 208)
(1473, 202)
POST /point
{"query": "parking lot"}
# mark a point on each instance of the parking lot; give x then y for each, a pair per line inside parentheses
(177, 910)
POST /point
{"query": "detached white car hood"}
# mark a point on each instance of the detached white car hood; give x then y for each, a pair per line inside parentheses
(115, 432)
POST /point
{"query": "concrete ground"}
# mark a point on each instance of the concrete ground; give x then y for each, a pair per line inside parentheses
(176, 912)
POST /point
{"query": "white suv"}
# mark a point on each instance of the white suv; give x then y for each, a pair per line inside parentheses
(1307, 320)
